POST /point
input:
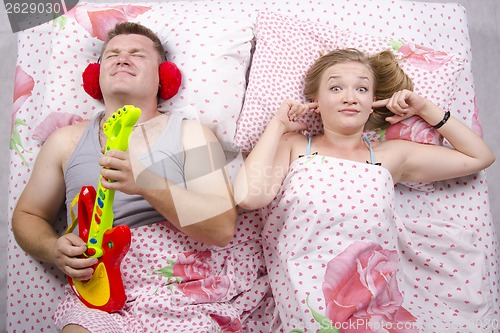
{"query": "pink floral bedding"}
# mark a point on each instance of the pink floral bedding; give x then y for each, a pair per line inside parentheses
(174, 284)
(340, 257)
(446, 278)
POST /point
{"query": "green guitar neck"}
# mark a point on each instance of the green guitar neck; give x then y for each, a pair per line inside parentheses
(117, 129)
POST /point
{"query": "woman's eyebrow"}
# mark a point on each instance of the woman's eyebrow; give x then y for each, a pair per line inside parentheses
(334, 77)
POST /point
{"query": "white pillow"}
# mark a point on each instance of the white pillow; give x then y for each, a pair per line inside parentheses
(212, 52)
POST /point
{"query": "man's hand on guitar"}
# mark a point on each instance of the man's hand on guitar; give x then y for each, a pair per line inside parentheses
(117, 172)
(68, 254)
(107, 245)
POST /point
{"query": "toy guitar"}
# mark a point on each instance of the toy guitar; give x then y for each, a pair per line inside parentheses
(105, 291)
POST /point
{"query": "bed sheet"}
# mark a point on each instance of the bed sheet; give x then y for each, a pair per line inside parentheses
(34, 289)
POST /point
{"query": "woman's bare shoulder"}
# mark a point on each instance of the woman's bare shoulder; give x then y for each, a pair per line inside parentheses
(297, 143)
(393, 144)
(294, 137)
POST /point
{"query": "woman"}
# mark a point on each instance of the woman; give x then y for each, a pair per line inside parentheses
(330, 197)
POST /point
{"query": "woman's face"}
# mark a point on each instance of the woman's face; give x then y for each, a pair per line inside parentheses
(345, 95)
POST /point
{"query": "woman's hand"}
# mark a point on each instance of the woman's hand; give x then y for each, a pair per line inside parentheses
(290, 113)
(403, 104)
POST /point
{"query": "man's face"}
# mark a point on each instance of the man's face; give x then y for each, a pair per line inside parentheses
(129, 67)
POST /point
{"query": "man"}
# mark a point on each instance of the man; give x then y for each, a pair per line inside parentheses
(186, 186)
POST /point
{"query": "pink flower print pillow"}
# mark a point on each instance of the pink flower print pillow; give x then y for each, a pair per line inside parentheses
(286, 47)
(414, 129)
(98, 20)
(424, 57)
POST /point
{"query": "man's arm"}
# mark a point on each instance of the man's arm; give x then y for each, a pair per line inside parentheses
(204, 210)
(39, 206)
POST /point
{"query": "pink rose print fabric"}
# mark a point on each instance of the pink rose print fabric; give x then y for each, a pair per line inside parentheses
(476, 123)
(192, 270)
(212, 289)
(188, 266)
(424, 57)
(54, 121)
(341, 259)
(361, 287)
(23, 87)
(330, 238)
(227, 324)
(176, 285)
(414, 129)
(192, 266)
(99, 20)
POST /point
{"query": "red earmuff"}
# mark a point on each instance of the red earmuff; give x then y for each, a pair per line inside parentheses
(170, 80)
(90, 78)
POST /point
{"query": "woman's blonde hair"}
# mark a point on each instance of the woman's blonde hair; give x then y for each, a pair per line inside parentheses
(389, 77)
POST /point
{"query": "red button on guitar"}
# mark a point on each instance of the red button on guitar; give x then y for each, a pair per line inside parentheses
(90, 252)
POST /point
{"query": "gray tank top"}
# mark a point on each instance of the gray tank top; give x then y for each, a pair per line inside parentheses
(166, 157)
